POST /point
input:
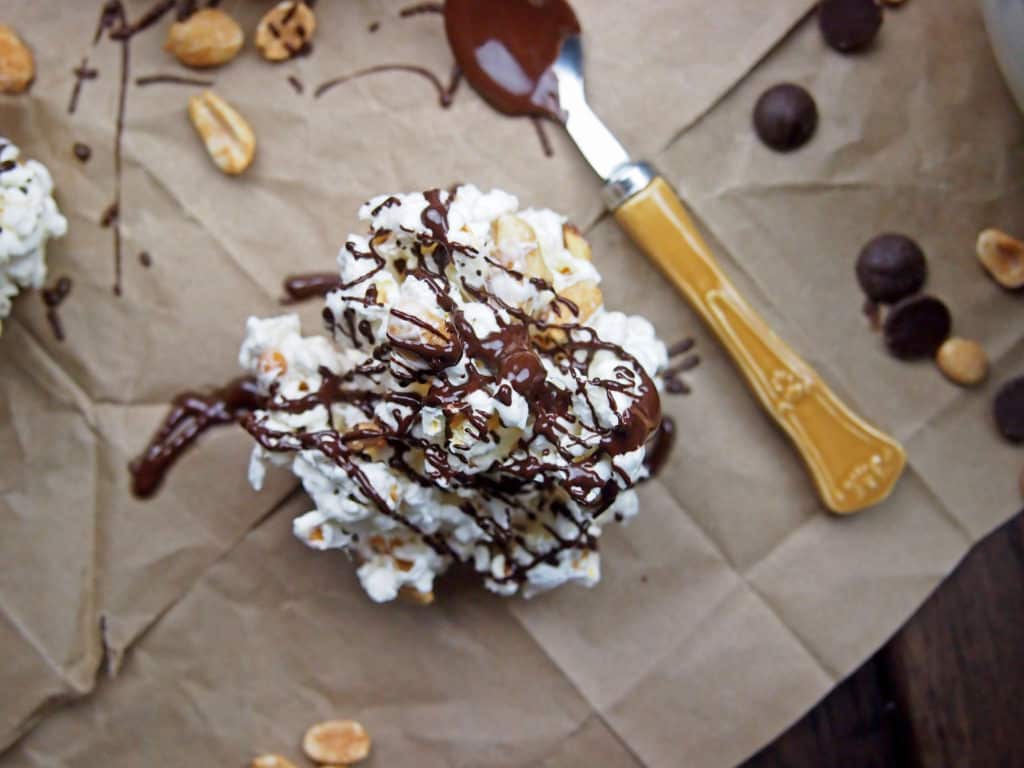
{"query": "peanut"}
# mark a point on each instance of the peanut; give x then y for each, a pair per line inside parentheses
(1003, 257)
(963, 361)
(575, 243)
(228, 137)
(366, 443)
(414, 596)
(17, 68)
(337, 741)
(285, 30)
(587, 297)
(518, 248)
(207, 38)
(272, 761)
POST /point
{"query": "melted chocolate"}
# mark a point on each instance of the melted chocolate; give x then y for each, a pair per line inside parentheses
(542, 136)
(445, 93)
(421, 8)
(508, 48)
(660, 446)
(82, 73)
(191, 415)
(171, 79)
(113, 19)
(145, 259)
(674, 383)
(109, 215)
(53, 298)
(310, 285)
(82, 151)
(295, 83)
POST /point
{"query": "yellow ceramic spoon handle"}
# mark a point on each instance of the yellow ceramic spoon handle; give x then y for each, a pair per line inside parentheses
(853, 464)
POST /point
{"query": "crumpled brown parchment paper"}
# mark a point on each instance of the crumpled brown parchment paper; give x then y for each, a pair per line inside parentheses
(194, 629)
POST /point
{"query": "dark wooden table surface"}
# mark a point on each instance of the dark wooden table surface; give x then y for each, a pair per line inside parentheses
(947, 690)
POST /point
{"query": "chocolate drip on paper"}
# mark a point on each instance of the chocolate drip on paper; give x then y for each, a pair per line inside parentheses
(113, 20)
(674, 382)
(53, 297)
(172, 79)
(81, 151)
(192, 414)
(82, 73)
(421, 8)
(309, 285)
(445, 92)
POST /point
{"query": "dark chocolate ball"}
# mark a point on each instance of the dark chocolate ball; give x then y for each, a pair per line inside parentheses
(891, 267)
(1008, 410)
(916, 327)
(849, 25)
(785, 117)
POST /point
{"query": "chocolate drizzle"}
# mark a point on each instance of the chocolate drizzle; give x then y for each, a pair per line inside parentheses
(53, 298)
(445, 93)
(660, 446)
(82, 73)
(310, 285)
(674, 383)
(113, 19)
(296, 84)
(192, 413)
(172, 79)
(421, 8)
(509, 360)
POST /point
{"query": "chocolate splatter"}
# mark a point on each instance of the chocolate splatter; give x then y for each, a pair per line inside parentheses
(660, 446)
(109, 215)
(295, 83)
(421, 8)
(145, 259)
(545, 141)
(82, 151)
(445, 93)
(82, 73)
(172, 79)
(674, 383)
(374, 26)
(53, 297)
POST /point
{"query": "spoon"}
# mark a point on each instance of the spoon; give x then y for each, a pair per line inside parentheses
(525, 57)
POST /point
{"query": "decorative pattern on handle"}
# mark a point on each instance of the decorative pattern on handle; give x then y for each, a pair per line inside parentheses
(853, 464)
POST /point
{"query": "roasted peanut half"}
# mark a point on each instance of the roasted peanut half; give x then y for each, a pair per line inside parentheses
(518, 247)
(370, 439)
(414, 596)
(337, 741)
(1003, 257)
(587, 297)
(272, 761)
(17, 68)
(575, 243)
(963, 361)
(228, 137)
(286, 30)
(207, 38)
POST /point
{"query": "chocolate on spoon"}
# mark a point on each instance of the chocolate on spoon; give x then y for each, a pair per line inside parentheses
(508, 53)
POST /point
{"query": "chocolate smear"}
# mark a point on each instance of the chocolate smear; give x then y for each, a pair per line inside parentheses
(53, 297)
